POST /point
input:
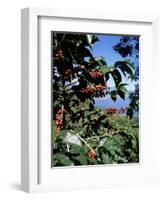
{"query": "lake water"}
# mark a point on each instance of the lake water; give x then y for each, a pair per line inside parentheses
(106, 103)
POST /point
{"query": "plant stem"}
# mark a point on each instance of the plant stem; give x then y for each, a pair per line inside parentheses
(72, 56)
(71, 83)
(86, 143)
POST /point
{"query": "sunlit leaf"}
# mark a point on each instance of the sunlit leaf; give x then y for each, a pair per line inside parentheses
(72, 139)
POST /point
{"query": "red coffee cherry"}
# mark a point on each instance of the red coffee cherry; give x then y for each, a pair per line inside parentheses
(88, 90)
(111, 111)
(100, 87)
(59, 55)
(91, 154)
(95, 74)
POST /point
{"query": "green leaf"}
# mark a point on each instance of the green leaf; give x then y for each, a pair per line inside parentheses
(72, 139)
(91, 106)
(129, 63)
(60, 159)
(91, 39)
(74, 110)
(116, 76)
(102, 141)
(62, 134)
(125, 67)
(121, 86)
(100, 60)
(130, 112)
(105, 69)
(121, 93)
(78, 149)
(75, 149)
(114, 95)
(85, 52)
(102, 117)
(106, 159)
(87, 113)
(94, 39)
(82, 159)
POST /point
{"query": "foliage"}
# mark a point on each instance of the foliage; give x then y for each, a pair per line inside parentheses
(116, 144)
(128, 47)
(83, 134)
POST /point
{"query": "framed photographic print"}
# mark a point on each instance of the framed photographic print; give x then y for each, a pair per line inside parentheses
(87, 119)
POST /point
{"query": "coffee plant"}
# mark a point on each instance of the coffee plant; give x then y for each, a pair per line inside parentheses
(83, 134)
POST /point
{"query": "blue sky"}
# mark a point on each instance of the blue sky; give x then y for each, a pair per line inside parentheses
(105, 48)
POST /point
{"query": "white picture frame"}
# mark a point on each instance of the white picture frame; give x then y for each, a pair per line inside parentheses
(36, 175)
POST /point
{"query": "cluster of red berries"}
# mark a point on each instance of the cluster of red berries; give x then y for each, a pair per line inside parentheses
(111, 110)
(88, 90)
(59, 55)
(100, 87)
(59, 120)
(91, 154)
(67, 74)
(95, 74)
(91, 89)
(115, 110)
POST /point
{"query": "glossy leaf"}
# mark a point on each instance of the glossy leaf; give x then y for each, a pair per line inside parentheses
(72, 139)
(114, 95)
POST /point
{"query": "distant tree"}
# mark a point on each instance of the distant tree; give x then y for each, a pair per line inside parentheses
(128, 47)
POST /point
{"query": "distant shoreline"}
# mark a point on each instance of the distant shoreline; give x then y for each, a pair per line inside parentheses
(106, 103)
